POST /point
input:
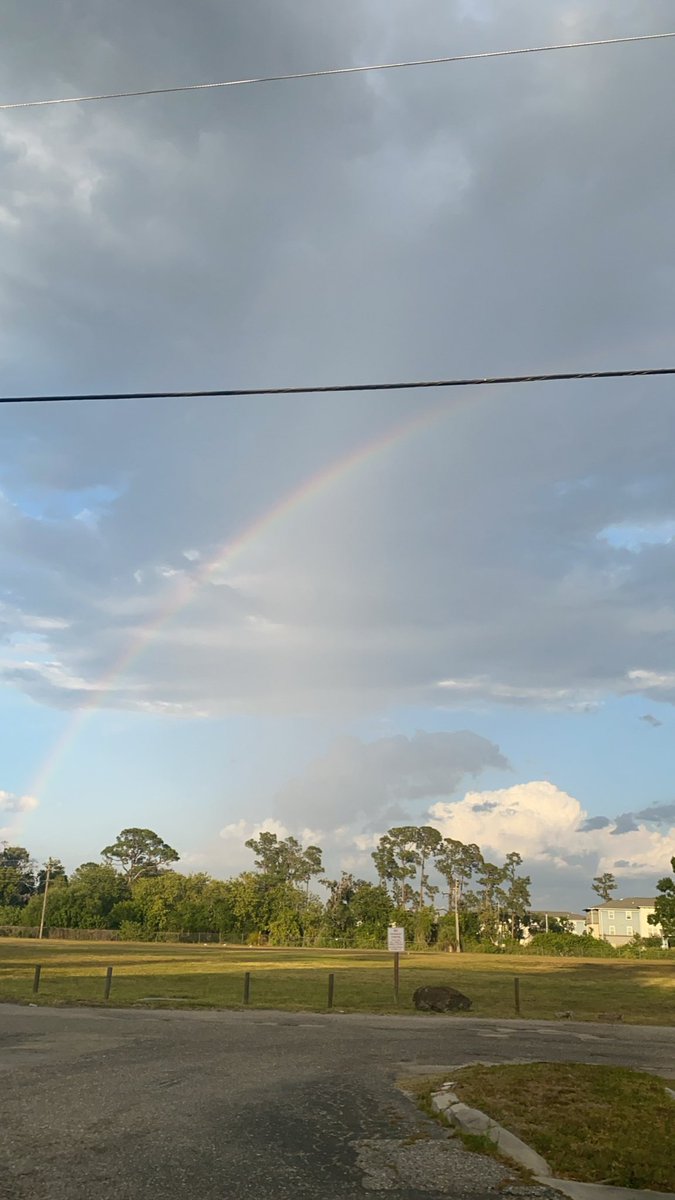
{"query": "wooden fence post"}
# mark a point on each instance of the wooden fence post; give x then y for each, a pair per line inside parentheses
(108, 983)
(516, 994)
(36, 980)
(331, 989)
(247, 987)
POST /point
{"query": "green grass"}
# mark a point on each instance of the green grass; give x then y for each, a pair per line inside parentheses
(213, 976)
(422, 1090)
(595, 1124)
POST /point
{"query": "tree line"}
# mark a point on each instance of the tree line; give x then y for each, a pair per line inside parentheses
(136, 890)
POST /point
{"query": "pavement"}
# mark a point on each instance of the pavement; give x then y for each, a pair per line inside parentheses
(124, 1103)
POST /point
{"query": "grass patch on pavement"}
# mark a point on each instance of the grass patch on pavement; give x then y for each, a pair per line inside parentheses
(422, 1089)
(186, 976)
(595, 1124)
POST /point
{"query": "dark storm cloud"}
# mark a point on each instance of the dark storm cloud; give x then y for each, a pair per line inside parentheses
(625, 823)
(355, 779)
(594, 823)
(660, 813)
(487, 217)
(630, 822)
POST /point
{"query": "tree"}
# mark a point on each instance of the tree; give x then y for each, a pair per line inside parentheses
(339, 917)
(664, 907)
(17, 875)
(604, 885)
(285, 861)
(310, 864)
(269, 908)
(390, 872)
(425, 839)
(456, 862)
(57, 875)
(90, 898)
(139, 852)
(399, 854)
(518, 893)
(492, 898)
(373, 912)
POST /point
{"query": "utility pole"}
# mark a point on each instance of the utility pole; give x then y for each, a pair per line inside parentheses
(455, 900)
(453, 905)
(44, 898)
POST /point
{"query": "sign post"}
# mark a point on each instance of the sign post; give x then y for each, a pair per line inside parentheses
(396, 944)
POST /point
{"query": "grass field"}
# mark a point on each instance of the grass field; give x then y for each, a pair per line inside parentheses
(212, 976)
(582, 1118)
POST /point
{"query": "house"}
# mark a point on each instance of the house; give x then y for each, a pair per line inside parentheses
(618, 921)
(573, 922)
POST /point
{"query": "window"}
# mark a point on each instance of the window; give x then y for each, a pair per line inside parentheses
(629, 916)
(612, 930)
(611, 916)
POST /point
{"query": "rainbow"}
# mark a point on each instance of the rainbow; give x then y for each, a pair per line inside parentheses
(185, 590)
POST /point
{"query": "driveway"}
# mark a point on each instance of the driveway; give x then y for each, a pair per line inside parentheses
(215, 1105)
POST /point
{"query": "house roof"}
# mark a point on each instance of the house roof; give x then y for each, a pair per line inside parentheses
(559, 912)
(629, 902)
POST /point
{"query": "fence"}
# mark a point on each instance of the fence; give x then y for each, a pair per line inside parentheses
(108, 935)
(38, 977)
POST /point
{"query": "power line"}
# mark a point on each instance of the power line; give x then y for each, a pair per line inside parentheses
(389, 66)
(321, 389)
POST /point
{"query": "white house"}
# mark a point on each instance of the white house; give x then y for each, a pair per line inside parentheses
(618, 921)
(573, 922)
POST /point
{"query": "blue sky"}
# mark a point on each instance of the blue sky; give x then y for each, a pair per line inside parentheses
(469, 626)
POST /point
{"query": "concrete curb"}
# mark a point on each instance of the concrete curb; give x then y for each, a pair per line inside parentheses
(472, 1120)
(601, 1191)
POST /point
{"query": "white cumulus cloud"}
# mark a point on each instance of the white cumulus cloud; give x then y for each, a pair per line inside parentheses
(544, 824)
(12, 807)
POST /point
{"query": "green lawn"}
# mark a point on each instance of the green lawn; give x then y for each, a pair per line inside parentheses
(591, 1123)
(73, 972)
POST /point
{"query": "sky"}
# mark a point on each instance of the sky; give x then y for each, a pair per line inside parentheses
(328, 615)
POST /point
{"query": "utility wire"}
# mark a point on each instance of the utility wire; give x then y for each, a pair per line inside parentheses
(389, 66)
(490, 381)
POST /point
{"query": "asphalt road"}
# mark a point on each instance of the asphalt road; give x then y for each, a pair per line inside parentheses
(120, 1103)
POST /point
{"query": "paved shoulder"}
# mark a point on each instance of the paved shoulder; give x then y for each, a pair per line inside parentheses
(116, 1103)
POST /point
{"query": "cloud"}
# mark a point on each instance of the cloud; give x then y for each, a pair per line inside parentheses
(651, 720)
(376, 781)
(233, 856)
(562, 847)
(11, 803)
(14, 807)
(594, 823)
(190, 240)
(242, 830)
(624, 823)
(659, 813)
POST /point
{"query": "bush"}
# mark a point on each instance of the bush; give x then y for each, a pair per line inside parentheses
(132, 931)
(365, 939)
(569, 945)
(643, 947)
(487, 947)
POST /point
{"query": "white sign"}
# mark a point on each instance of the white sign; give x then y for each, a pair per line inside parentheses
(396, 939)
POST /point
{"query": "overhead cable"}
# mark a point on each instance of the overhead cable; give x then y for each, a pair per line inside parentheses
(322, 389)
(388, 66)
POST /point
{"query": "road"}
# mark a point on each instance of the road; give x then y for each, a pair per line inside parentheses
(103, 1103)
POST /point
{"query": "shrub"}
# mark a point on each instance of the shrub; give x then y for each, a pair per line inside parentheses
(569, 945)
(132, 931)
(474, 947)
